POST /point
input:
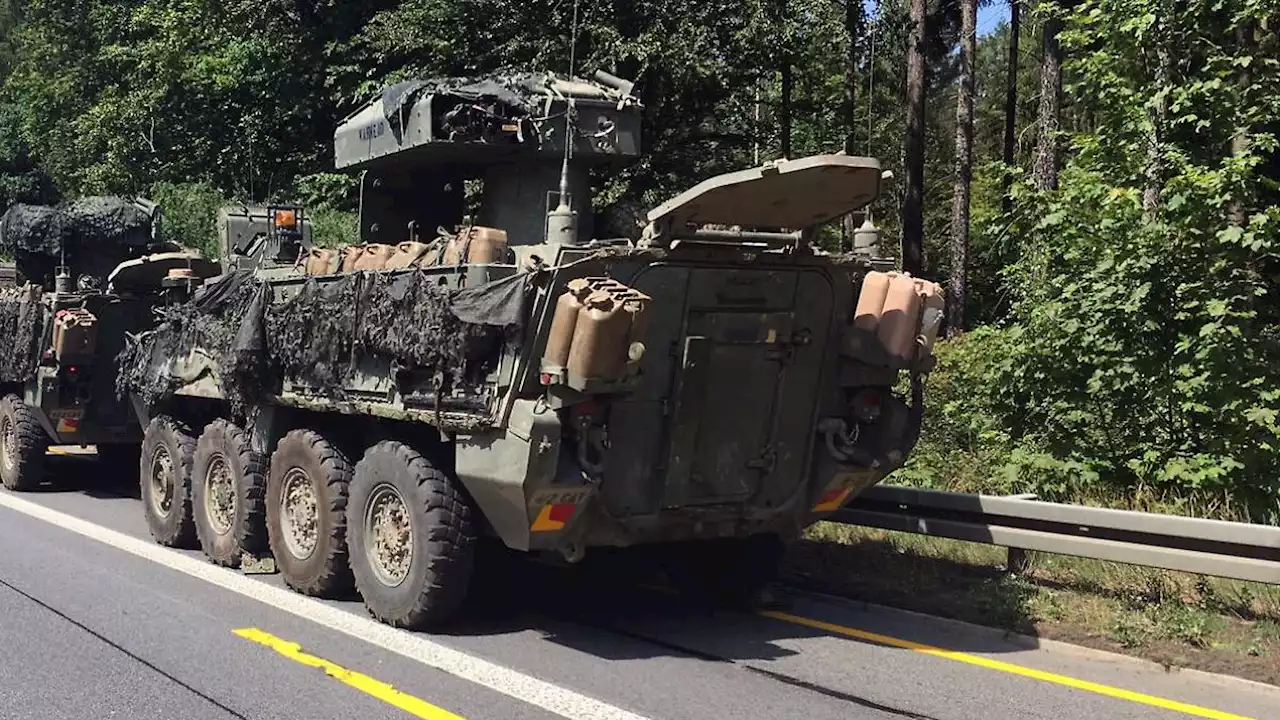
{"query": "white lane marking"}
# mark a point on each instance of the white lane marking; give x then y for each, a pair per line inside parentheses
(512, 683)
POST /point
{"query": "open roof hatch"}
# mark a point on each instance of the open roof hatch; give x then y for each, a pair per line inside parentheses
(789, 194)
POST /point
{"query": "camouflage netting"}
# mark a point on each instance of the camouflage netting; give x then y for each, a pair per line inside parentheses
(97, 233)
(20, 326)
(405, 318)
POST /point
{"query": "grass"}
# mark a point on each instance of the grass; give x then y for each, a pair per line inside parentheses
(1178, 619)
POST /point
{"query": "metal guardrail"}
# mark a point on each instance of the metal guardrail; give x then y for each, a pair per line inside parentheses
(1216, 548)
(8, 273)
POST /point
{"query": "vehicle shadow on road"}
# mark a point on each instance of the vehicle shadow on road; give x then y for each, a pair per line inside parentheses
(86, 475)
(614, 611)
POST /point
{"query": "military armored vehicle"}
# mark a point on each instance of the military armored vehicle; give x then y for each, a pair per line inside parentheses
(479, 365)
(85, 275)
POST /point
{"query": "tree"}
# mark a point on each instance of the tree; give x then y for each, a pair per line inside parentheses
(1047, 161)
(913, 157)
(1011, 105)
(964, 170)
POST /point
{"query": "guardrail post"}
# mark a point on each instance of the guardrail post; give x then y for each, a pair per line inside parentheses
(1019, 561)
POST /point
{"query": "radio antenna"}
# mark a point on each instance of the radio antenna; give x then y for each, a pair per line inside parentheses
(562, 222)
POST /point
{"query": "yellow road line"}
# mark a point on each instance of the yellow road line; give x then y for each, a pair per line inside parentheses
(990, 664)
(365, 684)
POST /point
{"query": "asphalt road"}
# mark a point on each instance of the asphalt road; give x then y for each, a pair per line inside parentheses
(96, 621)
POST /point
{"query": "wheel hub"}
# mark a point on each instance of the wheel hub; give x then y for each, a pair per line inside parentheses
(388, 535)
(219, 495)
(8, 444)
(162, 481)
(299, 516)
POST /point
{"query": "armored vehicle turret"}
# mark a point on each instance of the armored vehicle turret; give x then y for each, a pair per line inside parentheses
(479, 363)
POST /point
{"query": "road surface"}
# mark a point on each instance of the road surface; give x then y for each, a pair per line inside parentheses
(96, 621)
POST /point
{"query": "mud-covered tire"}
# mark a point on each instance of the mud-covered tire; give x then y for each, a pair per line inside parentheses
(729, 572)
(168, 449)
(315, 565)
(23, 443)
(430, 587)
(227, 471)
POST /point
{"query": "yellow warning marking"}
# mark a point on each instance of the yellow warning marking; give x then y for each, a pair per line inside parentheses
(544, 522)
(834, 503)
(365, 684)
(990, 664)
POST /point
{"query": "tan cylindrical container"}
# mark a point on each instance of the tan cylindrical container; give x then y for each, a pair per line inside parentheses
(898, 320)
(599, 348)
(75, 332)
(875, 287)
(407, 254)
(564, 322)
(486, 246)
(322, 262)
(374, 257)
(350, 256)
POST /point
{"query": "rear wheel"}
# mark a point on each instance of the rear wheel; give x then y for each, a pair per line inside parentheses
(23, 444)
(306, 513)
(229, 494)
(412, 537)
(165, 479)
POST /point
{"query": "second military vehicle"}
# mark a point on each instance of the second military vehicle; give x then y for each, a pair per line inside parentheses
(481, 364)
(84, 276)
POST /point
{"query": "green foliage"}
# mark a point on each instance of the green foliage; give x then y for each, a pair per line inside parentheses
(1143, 350)
(189, 214)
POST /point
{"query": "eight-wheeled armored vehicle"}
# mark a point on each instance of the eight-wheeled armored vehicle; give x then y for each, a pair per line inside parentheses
(84, 276)
(479, 364)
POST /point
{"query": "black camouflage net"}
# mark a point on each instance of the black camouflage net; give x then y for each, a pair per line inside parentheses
(21, 326)
(312, 339)
(208, 324)
(96, 233)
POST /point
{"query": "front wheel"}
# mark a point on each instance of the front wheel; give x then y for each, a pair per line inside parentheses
(23, 444)
(165, 479)
(412, 536)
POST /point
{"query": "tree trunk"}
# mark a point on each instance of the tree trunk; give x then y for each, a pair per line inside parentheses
(1159, 114)
(852, 28)
(1236, 214)
(964, 170)
(913, 203)
(784, 115)
(1046, 168)
(1011, 105)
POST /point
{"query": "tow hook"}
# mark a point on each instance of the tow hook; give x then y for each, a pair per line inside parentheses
(839, 439)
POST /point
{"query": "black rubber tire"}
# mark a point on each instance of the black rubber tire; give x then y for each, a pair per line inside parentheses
(26, 470)
(326, 572)
(444, 538)
(727, 572)
(223, 441)
(176, 528)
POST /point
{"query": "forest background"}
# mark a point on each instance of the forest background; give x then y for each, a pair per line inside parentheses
(1094, 180)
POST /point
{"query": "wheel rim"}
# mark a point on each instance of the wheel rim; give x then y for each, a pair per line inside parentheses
(388, 535)
(219, 495)
(299, 518)
(8, 441)
(162, 481)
